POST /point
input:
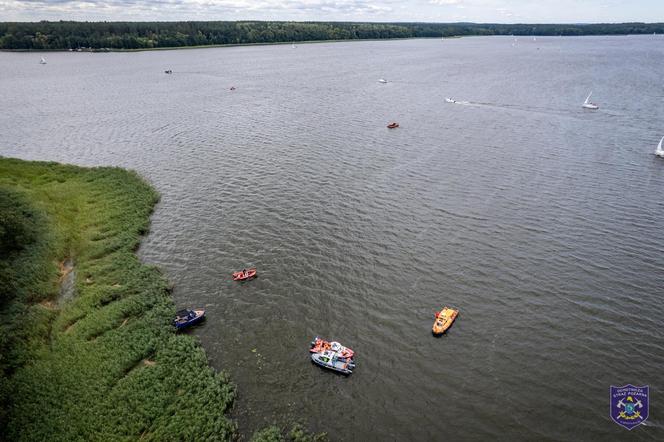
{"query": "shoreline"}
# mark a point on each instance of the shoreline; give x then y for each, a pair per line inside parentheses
(111, 346)
(297, 43)
(146, 35)
(96, 322)
(232, 45)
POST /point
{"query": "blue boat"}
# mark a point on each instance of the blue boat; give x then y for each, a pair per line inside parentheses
(185, 318)
(329, 359)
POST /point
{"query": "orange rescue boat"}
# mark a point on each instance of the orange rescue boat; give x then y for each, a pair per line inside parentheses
(444, 320)
(245, 274)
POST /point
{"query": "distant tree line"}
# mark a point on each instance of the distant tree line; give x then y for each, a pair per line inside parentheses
(64, 35)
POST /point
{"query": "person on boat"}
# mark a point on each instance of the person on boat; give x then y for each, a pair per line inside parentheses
(244, 272)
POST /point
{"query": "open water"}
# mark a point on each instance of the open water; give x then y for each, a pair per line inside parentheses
(541, 222)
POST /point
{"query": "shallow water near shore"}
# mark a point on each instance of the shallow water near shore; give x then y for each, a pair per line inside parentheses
(541, 222)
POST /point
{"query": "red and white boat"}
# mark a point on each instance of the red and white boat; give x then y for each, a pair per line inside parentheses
(245, 274)
(319, 345)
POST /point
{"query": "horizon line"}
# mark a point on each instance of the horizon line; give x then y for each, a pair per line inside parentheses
(349, 21)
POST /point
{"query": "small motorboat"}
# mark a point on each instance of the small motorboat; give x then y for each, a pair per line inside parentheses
(168, 71)
(245, 274)
(232, 88)
(319, 345)
(329, 359)
(444, 320)
(393, 125)
(382, 80)
(449, 100)
(589, 104)
(186, 318)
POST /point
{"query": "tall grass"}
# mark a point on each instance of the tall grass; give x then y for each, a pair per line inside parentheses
(105, 365)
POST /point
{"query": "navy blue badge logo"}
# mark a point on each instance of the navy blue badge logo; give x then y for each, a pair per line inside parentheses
(629, 405)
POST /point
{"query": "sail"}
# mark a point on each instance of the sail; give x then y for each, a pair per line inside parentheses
(659, 150)
(588, 99)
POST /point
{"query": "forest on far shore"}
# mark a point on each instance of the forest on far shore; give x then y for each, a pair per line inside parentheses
(65, 35)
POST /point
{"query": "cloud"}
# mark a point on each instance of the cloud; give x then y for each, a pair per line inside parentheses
(502, 11)
(123, 7)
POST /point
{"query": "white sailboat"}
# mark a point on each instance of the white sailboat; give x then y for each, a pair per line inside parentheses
(588, 104)
(42, 61)
(293, 46)
(660, 152)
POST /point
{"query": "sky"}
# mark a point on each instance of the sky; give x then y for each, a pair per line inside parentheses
(479, 11)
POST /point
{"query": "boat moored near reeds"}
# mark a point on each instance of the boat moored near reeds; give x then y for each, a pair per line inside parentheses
(187, 318)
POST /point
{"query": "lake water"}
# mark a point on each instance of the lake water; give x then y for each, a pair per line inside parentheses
(541, 222)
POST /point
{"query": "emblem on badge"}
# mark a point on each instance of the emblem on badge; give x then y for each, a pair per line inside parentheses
(629, 405)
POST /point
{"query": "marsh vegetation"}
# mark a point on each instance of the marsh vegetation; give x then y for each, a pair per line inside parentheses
(105, 365)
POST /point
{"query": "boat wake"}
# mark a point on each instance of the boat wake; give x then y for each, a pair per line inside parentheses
(560, 112)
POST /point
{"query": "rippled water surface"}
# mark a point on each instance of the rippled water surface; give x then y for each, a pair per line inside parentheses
(543, 223)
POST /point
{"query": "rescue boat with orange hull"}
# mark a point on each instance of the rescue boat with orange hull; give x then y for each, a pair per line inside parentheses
(444, 320)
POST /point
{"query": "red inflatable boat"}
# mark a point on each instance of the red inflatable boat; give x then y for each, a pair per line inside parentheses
(243, 275)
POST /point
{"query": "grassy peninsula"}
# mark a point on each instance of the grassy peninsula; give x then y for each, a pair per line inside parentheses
(104, 364)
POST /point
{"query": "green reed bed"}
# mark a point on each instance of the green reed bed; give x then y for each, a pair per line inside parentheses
(106, 363)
